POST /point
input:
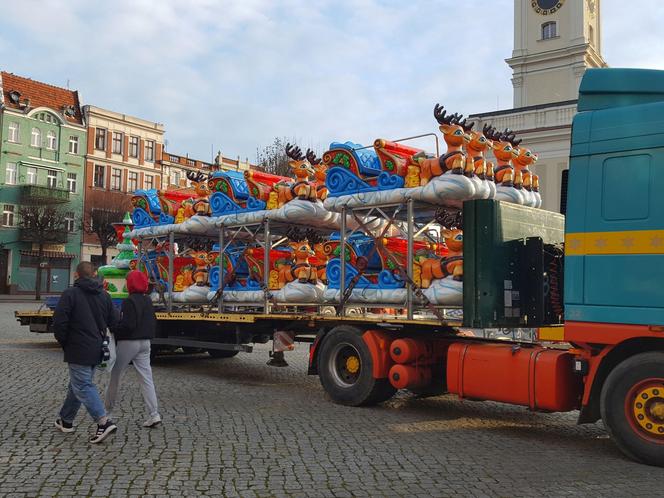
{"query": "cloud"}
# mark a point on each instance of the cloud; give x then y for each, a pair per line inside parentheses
(233, 75)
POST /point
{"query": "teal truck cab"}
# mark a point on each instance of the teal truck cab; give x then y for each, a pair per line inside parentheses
(614, 255)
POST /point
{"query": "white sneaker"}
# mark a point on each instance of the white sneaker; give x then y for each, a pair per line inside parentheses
(152, 421)
(63, 426)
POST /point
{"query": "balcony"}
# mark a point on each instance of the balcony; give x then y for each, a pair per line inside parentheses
(38, 194)
(29, 235)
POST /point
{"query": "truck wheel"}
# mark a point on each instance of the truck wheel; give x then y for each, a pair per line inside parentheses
(222, 353)
(632, 407)
(345, 368)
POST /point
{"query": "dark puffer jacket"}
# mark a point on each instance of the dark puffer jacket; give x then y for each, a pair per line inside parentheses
(74, 321)
(138, 318)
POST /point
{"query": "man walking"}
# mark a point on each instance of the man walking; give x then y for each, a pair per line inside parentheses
(80, 320)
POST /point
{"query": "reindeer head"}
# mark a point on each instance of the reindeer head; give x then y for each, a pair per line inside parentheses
(200, 258)
(451, 126)
(525, 158)
(505, 145)
(302, 250)
(320, 168)
(479, 141)
(200, 183)
(453, 239)
(298, 162)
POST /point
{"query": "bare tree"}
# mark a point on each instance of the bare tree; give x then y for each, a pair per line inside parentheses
(42, 225)
(273, 159)
(101, 210)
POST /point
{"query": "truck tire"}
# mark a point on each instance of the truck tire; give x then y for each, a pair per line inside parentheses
(345, 369)
(221, 353)
(632, 407)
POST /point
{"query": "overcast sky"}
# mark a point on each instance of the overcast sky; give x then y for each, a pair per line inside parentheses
(235, 74)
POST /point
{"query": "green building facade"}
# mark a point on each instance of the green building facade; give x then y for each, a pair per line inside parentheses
(43, 141)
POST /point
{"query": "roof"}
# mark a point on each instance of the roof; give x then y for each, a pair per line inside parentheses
(517, 110)
(41, 95)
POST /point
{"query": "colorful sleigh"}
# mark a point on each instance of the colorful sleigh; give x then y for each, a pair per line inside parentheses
(390, 172)
(373, 274)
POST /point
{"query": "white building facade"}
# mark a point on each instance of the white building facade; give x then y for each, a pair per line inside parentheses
(555, 41)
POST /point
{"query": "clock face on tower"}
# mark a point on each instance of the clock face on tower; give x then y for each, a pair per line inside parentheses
(546, 7)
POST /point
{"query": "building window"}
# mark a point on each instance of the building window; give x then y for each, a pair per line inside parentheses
(549, 30)
(31, 175)
(149, 182)
(132, 182)
(8, 215)
(100, 173)
(13, 132)
(10, 174)
(133, 146)
(35, 139)
(175, 178)
(70, 220)
(591, 35)
(100, 139)
(50, 140)
(52, 178)
(149, 150)
(116, 179)
(71, 182)
(117, 143)
(73, 145)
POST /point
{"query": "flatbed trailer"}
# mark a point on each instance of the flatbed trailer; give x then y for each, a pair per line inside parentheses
(592, 342)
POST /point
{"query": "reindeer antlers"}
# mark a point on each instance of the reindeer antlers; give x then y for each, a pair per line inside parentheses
(439, 113)
(466, 126)
(197, 177)
(491, 133)
(510, 136)
(311, 157)
(294, 152)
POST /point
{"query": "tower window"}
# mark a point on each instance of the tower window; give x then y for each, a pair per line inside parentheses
(549, 30)
(591, 35)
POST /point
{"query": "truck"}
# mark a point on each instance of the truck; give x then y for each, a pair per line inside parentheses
(558, 313)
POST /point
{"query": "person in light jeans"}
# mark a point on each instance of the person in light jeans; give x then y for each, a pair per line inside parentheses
(80, 319)
(132, 335)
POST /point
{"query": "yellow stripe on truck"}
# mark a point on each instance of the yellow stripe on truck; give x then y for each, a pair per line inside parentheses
(624, 242)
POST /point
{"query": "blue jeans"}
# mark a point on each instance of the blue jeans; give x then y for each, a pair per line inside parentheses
(82, 391)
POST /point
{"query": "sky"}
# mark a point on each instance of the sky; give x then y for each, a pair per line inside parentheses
(233, 75)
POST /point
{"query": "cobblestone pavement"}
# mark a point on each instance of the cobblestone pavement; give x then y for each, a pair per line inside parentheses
(238, 427)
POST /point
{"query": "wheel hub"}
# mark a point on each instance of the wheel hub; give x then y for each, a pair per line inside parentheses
(345, 364)
(648, 409)
(353, 364)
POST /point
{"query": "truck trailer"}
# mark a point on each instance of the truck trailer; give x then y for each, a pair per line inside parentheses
(559, 312)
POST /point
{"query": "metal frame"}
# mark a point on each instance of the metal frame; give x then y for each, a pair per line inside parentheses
(397, 216)
(402, 217)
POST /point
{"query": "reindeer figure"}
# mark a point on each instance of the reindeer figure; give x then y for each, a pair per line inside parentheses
(456, 138)
(505, 149)
(321, 256)
(452, 264)
(478, 145)
(200, 274)
(302, 188)
(301, 269)
(320, 173)
(201, 204)
(521, 164)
